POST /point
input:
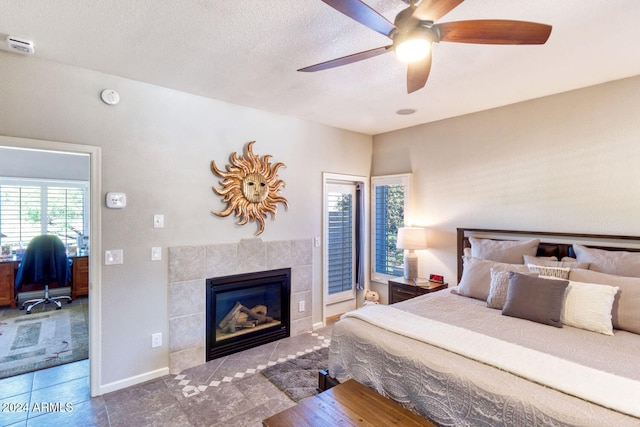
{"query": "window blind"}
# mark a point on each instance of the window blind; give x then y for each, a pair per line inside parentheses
(31, 208)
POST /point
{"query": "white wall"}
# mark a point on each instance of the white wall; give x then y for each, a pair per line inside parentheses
(568, 162)
(157, 145)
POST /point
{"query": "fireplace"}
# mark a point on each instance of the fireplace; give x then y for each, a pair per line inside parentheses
(246, 310)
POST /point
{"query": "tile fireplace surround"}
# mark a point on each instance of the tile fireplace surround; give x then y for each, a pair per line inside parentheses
(190, 266)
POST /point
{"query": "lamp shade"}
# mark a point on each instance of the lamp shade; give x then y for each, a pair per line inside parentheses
(412, 238)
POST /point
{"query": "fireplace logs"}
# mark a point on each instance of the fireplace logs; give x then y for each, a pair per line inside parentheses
(240, 317)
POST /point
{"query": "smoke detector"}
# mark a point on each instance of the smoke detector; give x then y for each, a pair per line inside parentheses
(19, 45)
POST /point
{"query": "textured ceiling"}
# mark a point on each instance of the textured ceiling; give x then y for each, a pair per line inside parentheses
(247, 53)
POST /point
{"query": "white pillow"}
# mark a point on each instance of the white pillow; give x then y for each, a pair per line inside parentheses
(588, 306)
(552, 272)
(620, 263)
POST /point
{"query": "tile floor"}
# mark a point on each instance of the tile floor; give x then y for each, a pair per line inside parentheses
(224, 392)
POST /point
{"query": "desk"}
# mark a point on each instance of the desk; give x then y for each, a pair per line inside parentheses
(7, 296)
(79, 280)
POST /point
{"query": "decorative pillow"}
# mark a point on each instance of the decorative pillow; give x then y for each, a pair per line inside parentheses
(620, 263)
(535, 298)
(476, 276)
(498, 288)
(588, 306)
(553, 262)
(528, 259)
(507, 251)
(625, 312)
(555, 272)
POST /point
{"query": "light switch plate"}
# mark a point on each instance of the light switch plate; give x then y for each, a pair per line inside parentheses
(158, 221)
(156, 253)
(114, 256)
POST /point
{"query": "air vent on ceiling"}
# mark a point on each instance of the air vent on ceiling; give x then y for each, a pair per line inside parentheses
(19, 45)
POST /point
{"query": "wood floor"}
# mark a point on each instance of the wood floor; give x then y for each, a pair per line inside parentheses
(348, 404)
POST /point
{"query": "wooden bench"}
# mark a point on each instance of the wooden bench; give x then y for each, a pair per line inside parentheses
(347, 404)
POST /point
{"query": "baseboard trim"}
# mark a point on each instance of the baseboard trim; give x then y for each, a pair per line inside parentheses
(128, 382)
(317, 326)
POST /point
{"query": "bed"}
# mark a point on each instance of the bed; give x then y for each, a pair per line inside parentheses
(474, 355)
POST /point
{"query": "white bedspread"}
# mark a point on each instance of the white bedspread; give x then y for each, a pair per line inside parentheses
(605, 389)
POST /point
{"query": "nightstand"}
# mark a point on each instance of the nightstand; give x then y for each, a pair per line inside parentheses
(401, 289)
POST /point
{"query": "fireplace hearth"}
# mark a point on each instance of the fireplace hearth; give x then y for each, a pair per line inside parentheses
(246, 310)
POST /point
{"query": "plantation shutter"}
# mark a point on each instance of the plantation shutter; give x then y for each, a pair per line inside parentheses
(30, 208)
(341, 243)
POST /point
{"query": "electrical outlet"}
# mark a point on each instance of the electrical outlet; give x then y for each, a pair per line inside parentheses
(301, 306)
(156, 340)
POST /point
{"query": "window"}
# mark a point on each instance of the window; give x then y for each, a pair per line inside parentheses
(390, 200)
(29, 208)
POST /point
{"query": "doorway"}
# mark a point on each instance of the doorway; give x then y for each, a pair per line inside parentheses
(94, 160)
(344, 263)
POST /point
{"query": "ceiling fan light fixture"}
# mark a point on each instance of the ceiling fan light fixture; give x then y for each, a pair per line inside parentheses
(413, 45)
(413, 50)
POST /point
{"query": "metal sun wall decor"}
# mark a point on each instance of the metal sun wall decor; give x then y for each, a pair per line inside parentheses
(250, 187)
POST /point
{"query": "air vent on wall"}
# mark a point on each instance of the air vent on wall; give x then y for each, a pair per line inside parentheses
(16, 44)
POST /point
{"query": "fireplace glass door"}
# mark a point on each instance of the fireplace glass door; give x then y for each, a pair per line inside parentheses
(246, 310)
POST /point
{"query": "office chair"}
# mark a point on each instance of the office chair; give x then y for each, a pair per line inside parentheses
(44, 261)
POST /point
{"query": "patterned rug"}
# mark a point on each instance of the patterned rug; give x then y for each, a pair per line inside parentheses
(29, 342)
(298, 378)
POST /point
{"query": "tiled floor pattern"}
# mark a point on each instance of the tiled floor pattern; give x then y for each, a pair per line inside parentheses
(192, 382)
(224, 392)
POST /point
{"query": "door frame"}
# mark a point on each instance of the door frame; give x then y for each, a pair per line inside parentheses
(95, 233)
(328, 178)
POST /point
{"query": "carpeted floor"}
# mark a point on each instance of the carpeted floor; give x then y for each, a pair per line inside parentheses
(29, 342)
(298, 378)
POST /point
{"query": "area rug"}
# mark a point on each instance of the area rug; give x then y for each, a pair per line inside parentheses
(298, 378)
(29, 342)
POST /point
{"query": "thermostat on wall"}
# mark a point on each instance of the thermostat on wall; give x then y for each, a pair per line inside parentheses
(116, 200)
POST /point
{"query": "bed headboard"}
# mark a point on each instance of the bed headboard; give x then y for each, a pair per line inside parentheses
(551, 244)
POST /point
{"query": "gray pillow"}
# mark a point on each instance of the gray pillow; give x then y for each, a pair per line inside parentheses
(507, 251)
(626, 305)
(536, 299)
(620, 263)
(498, 288)
(476, 276)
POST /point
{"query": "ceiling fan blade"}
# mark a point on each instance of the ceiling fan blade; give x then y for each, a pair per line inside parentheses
(418, 73)
(359, 11)
(494, 31)
(432, 10)
(347, 59)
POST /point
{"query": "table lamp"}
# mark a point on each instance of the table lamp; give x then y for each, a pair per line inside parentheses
(411, 238)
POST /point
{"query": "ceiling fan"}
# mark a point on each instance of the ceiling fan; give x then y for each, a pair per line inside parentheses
(414, 30)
